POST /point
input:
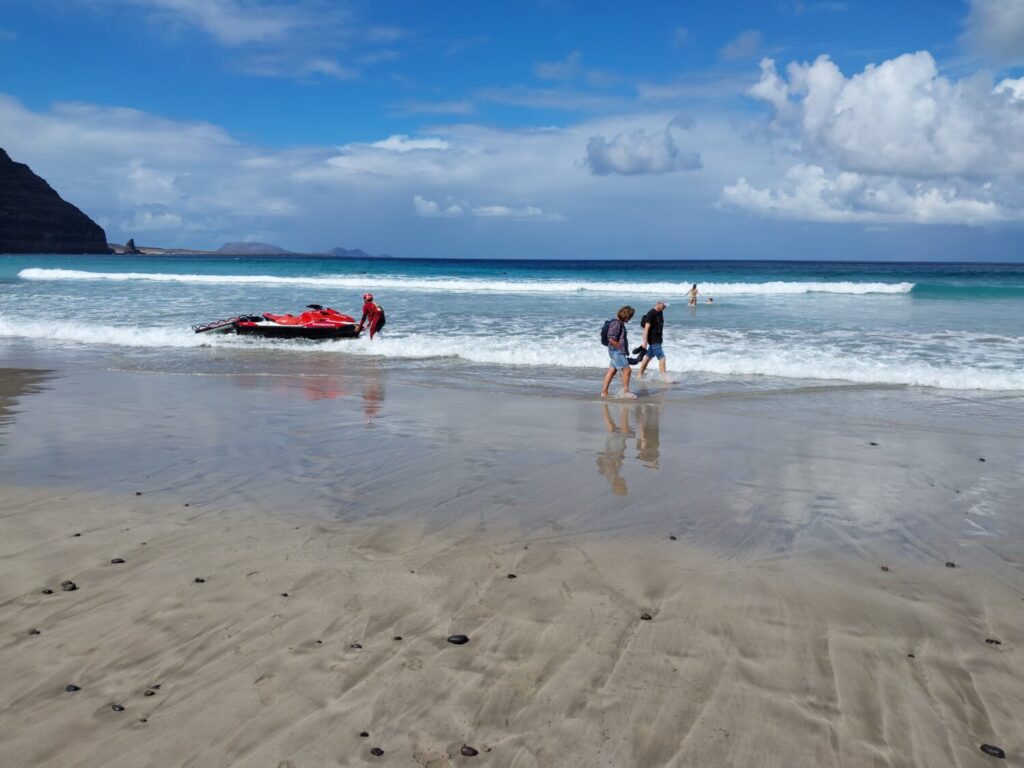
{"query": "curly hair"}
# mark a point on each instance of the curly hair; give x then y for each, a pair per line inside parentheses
(626, 313)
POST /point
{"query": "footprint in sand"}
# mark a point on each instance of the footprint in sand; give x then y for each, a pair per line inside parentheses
(266, 688)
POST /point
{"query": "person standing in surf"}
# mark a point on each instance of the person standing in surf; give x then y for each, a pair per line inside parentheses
(653, 324)
(693, 293)
(373, 315)
(614, 334)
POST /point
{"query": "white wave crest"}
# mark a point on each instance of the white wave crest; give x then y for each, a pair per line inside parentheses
(736, 356)
(662, 289)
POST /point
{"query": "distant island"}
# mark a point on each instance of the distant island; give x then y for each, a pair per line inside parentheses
(35, 219)
(244, 249)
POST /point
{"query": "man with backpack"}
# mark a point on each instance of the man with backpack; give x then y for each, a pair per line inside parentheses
(613, 336)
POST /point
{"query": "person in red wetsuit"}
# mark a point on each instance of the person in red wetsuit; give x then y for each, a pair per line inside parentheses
(373, 315)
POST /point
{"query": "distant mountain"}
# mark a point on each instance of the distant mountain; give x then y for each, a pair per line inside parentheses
(250, 249)
(35, 219)
(355, 253)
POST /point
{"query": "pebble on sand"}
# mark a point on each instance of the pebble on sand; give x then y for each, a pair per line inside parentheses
(117, 707)
(74, 535)
(468, 751)
(71, 688)
(872, 443)
(996, 752)
(68, 586)
(376, 751)
(356, 646)
(199, 580)
(34, 631)
(981, 460)
(993, 641)
(672, 537)
(885, 567)
(645, 617)
(149, 692)
(47, 591)
(364, 735)
(512, 576)
(143, 719)
(117, 561)
(396, 638)
(138, 493)
(950, 564)
(284, 594)
(458, 639)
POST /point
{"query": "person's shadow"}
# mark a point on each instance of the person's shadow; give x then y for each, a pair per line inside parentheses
(609, 461)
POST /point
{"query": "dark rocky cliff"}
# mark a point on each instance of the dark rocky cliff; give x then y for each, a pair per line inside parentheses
(34, 218)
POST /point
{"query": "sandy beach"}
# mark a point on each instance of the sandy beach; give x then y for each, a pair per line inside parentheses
(829, 577)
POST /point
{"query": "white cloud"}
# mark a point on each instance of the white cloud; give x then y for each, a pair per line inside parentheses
(1012, 88)
(809, 193)
(402, 143)
(638, 152)
(431, 209)
(235, 23)
(898, 117)
(746, 45)
(995, 29)
(566, 69)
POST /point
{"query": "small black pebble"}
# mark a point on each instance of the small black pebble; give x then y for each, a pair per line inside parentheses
(155, 687)
(150, 692)
(319, 642)
(364, 734)
(71, 688)
(116, 561)
(356, 646)
(981, 460)
(186, 503)
(645, 617)
(397, 637)
(468, 751)
(458, 639)
(284, 594)
(199, 580)
(885, 567)
(143, 720)
(512, 576)
(68, 586)
(872, 443)
(672, 537)
(138, 493)
(376, 751)
(47, 591)
(75, 534)
(950, 564)
(911, 656)
(34, 632)
(993, 641)
(117, 708)
(996, 752)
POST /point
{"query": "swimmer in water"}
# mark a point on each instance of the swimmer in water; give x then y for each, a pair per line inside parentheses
(693, 293)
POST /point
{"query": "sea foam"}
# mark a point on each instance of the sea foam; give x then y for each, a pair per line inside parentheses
(668, 290)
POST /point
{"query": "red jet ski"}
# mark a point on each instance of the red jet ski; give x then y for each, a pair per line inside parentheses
(318, 323)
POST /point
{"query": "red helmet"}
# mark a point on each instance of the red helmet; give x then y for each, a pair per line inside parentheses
(367, 297)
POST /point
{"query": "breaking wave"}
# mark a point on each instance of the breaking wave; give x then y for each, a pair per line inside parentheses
(479, 285)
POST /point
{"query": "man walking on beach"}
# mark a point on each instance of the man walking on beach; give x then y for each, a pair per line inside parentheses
(653, 324)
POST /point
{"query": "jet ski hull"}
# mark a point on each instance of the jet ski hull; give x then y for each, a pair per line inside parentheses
(317, 325)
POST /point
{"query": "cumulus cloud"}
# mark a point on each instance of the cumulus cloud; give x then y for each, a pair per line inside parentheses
(896, 142)
(746, 45)
(809, 193)
(431, 209)
(566, 69)
(995, 29)
(898, 117)
(638, 152)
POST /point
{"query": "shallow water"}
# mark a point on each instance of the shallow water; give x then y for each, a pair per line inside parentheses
(773, 324)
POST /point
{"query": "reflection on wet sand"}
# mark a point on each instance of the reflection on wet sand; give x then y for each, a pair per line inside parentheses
(648, 442)
(16, 382)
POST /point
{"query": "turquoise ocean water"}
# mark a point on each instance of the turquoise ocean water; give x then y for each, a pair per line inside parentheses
(775, 324)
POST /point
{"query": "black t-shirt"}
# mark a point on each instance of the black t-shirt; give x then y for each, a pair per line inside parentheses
(656, 320)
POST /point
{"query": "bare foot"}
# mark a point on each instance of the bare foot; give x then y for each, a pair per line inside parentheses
(627, 395)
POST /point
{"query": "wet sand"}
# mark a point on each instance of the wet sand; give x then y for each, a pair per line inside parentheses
(801, 608)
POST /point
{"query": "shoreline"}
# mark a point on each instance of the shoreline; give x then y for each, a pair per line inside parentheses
(387, 508)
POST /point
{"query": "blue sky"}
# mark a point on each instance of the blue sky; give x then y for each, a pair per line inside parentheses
(776, 129)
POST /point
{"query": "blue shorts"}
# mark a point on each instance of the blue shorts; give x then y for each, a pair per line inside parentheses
(616, 359)
(654, 350)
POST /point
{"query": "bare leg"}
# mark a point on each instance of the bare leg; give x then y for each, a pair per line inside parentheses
(608, 376)
(626, 373)
(662, 369)
(643, 367)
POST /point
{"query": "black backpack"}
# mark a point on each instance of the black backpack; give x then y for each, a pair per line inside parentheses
(604, 332)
